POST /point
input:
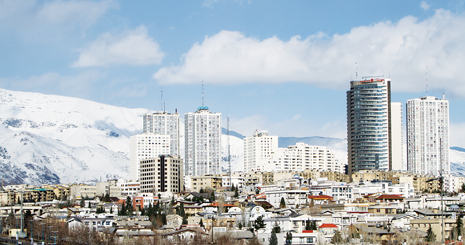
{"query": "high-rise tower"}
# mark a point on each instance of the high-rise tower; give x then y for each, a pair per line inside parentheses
(258, 149)
(428, 135)
(368, 125)
(164, 123)
(202, 142)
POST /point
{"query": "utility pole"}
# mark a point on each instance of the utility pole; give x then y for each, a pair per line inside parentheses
(441, 179)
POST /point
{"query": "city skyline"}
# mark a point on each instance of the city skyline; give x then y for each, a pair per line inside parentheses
(256, 58)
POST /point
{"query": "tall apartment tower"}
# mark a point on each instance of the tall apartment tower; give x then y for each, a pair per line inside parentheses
(146, 146)
(397, 139)
(258, 149)
(428, 135)
(164, 123)
(202, 142)
(368, 125)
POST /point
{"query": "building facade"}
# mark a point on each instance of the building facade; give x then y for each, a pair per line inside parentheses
(428, 135)
(202, 142)
(397, 138)
(146, 146)
(161, 174)
(164, 123)
(300, 157)
(258, 149)
(368, 125)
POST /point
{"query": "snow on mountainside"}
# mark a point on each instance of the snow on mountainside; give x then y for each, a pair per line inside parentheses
(57, 139)
(457, 161)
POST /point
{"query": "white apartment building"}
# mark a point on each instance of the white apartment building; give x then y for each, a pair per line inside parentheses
(397, 138)
(164, 123)
(161, 174)
(428, 135)
(293, 198)
(129, 188)
(145, 146)
(258, 149)
(202, 142)
(301, 156)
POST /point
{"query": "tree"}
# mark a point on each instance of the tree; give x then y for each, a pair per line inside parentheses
(308, 225)
(313, 225)
(463, 187)
(129, 207)
(430, 237)
(259, 223)
(83, 203)
(276, 228)
(236, 193)
(273, 238)
(282, 204)
(337, 238)
(257, 191)
(201, 223)
(458, 229)
(212, 196)
(288, 238)
(107, 198)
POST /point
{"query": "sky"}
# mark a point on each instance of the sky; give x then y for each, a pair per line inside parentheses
(280, 66)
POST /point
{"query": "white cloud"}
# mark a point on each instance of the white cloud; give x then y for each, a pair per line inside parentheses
(38, 16)
(133, 47)
(424, 5)
(402, 49)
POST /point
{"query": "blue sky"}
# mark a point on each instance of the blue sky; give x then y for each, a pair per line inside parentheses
(281, 66)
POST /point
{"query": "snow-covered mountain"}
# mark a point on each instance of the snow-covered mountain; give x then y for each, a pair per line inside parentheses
(57, 139)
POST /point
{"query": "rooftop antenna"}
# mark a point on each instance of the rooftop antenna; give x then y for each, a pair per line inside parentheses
(202, 96)
(162, 102)
(356, 70)
(427, 80)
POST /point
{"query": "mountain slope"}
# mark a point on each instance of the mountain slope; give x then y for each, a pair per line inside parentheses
(52, 139)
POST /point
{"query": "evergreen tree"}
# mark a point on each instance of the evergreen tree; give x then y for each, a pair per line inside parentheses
(201, 223)
(337, 238)
(259, 223)
(463, 187)
(288, 238)
(236, 193)
(201, 190)
(276, 228)
(273, 238)
(129, 207)
(107, 198)
(212, 196)
(458, 229)
(308, 225)
(89, 205)
(282, 204)
(313, 225)
(430, 237)
(111, 210)
(83, 203)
